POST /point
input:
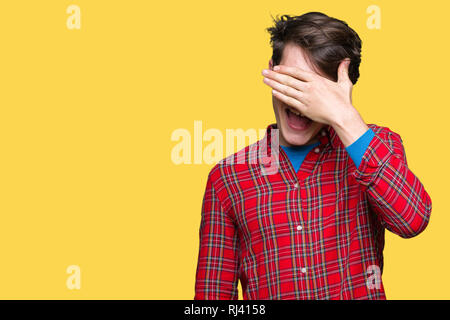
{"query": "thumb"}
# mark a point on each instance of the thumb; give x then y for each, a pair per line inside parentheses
(343, 71)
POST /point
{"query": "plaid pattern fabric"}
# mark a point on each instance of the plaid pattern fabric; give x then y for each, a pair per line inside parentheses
(313, 234)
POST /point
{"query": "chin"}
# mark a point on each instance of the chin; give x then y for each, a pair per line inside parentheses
(298, 139)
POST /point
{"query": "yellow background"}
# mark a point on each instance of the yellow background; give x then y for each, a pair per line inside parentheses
(86, 118)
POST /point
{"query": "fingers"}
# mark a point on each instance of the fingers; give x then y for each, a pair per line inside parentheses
(289, 101)
(298, 73)
(285, 79)
(284, 89)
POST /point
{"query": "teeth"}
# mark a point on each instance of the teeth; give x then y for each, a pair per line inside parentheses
(296, 113)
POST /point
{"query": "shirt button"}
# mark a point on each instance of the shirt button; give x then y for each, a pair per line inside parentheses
(267, 161)
(303, 270)
(323, 133)
(316, 150)
(299, 228)
(296, 185)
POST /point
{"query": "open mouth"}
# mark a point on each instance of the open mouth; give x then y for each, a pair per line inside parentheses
(296, 120)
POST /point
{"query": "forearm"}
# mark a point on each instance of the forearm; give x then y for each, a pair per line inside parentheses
(218, 256)
(399, 199)
(393, 191)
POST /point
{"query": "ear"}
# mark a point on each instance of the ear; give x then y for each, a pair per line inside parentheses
(343, 71)
(270, 64)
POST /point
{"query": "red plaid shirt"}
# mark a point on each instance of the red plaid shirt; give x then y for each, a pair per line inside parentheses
(313, 234)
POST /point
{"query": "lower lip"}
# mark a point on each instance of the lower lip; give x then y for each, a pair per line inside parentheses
(296, 127)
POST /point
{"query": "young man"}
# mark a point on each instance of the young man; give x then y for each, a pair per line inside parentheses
(314, 227)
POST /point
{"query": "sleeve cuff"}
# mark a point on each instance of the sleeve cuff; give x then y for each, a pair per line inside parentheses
(357, 149)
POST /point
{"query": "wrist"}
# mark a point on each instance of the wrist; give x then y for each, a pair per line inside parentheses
(350, 126)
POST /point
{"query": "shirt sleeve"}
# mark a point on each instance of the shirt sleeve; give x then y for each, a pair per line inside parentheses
(218, 258)
(393, 191)
(357, 149)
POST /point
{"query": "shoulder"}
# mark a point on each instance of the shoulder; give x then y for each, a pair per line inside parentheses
(235, 165)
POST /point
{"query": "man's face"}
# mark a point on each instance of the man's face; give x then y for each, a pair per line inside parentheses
(293, 130)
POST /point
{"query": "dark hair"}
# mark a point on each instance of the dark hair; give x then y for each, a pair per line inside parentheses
(325, 40)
